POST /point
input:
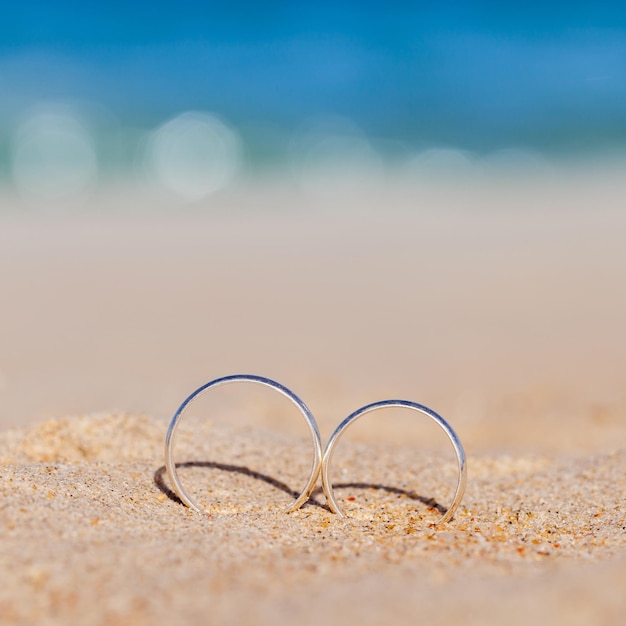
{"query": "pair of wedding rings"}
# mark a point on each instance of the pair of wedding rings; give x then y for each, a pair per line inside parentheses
(321, 458)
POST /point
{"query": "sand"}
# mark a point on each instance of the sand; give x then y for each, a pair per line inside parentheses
(92, 534)
(511, 326)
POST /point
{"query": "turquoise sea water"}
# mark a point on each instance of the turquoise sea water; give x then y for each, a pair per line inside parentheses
(196, 98)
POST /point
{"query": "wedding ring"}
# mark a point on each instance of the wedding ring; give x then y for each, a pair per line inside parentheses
(340, 430)
(248, 378)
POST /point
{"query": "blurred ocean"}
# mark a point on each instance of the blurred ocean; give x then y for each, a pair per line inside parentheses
(194, 98)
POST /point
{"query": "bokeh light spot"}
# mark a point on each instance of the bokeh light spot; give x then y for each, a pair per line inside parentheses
(53, 155)
(194, 154)
(336, 162)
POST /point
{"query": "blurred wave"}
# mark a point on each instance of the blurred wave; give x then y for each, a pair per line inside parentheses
(58, 152)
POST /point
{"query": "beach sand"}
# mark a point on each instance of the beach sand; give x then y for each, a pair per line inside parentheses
(508, 322)
(92, 534)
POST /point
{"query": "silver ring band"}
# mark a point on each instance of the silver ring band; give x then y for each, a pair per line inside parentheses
(248, 378)
(339, 431)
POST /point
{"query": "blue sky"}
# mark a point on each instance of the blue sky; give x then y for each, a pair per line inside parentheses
(478, 75)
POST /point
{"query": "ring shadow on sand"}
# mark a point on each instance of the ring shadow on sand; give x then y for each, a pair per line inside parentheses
(227, 467)
(281, 486)
(411, 495)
